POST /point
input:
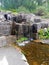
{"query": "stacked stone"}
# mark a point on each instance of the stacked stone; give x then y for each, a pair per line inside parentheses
(3, 41)
(5, 28)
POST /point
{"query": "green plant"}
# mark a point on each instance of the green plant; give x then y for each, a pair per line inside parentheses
(23, 9)
(41, 10)
(21, 39)
(43, 35)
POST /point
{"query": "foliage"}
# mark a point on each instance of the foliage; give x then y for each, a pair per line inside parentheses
(15, 4)
(43, 35)
(41, 10)
(35, 6)
(21, 39)
(46, 16)
(22, 9)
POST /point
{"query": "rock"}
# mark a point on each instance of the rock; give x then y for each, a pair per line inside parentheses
(44, 25)
(3, 41)
(37, 20)
(5, 28)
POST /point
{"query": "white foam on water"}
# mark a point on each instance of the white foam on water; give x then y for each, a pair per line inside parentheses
(11, 56)
(4, 61)
(24, 59)
(3, 41)
(26, 41)
(23, 43)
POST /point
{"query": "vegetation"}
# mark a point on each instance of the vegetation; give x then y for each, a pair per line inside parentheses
(21, 39)
(44, 34)
(25, 5)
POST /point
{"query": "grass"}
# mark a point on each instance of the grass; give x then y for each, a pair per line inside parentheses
(13, 11)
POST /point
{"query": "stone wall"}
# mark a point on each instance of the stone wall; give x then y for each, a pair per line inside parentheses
(5, 28)
(7, 40)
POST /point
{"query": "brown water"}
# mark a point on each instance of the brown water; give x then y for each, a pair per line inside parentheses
(36, 53)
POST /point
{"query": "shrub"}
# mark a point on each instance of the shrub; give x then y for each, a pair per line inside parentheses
(43, 35)
(21, 39)
(41, 11)
(23, 9)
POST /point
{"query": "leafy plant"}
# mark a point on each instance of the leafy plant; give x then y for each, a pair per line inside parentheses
(22, 9)
(22, 39)
(43, 35)
(41, 11)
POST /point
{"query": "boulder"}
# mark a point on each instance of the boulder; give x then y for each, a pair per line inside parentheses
(44, 25)
(37, 19)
